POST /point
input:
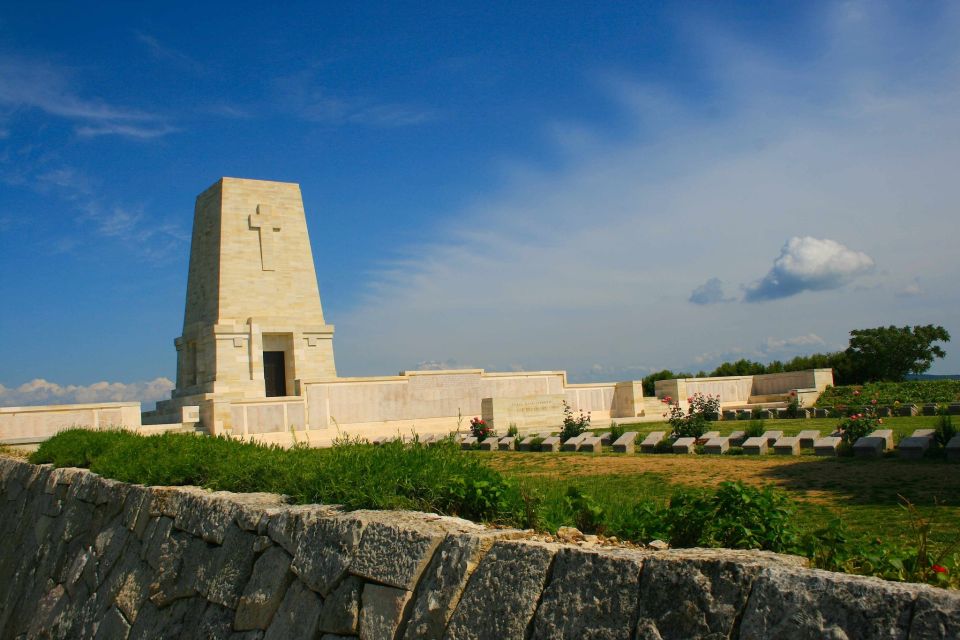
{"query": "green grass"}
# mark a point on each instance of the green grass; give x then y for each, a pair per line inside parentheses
(392, 476)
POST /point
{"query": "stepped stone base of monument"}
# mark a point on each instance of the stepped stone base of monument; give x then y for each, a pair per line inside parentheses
(87, 557)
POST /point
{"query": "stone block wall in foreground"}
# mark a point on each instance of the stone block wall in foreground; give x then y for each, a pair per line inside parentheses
(86, 557)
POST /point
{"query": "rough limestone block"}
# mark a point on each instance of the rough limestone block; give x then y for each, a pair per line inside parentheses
(936, 613)
(551, 444)
(930, 409)
(907, 410)
(502, 594)
(953, 449)
(787, 446)
(590, 595)
(827, 446)
(914, 447)
(606, 438)
(649, 444)
(756, 446)
(395, 553)
(297, 616)
(807, 438)
(341, 609)
(795, 603)
(591, 445)
(286, 527)
(468, 442)
(737, 438)
(325, 550)
(924, 433)
(772, 436)
(696, 593)
(717, 446)
(442, 584)
(526, 444)
(869, 447)
(489, 444)
(573, 444)
(230, 568)
(507, 444)
(263, 594)
(381, 611)
(684, 445)
(625, 443)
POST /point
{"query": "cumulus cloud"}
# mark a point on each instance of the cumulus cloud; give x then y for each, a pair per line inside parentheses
(910, 291)
(40, 391)
(710, 292)
(809, 264)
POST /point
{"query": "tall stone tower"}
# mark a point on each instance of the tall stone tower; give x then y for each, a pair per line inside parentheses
(253, 325)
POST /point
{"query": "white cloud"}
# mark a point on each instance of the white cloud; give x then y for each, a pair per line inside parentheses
(40, 391)
(710, 292)
(126, 130)
(809, 264)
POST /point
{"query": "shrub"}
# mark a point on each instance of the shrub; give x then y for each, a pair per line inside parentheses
(755, 428)
(512, 431)
(616, 430)
(574, 425)
(736, 515)
(793, 408)
(945, 429)
(693, 423)
(480, 430)
(588, 516)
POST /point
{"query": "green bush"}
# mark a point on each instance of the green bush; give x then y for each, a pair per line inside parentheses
(755, 428)
(945, 429)
(573, 425)
(438, 478)
(616, 430)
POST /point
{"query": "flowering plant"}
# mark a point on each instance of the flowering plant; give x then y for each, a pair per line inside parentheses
(574, 425)
(480, 430)
(860, 421)
(693, 423)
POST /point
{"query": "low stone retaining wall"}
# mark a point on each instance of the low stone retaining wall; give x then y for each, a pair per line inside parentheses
(87, 557)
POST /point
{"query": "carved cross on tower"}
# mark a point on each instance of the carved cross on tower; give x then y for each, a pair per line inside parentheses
(267, 222)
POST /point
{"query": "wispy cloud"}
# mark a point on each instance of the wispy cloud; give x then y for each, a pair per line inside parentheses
(40, 391)
(125, 130)
(165, 53)
(34, 84)
(809, 264)
(304, 95)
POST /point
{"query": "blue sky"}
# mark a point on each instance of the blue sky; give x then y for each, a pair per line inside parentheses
(609, 189)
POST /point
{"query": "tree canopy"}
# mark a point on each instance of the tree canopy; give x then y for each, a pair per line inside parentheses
(890, 353)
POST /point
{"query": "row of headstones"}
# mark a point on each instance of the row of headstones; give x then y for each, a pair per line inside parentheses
(872, 445)
(902, 410)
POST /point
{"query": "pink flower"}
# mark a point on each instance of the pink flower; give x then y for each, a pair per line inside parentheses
(880, 421)
(689, 399)
(939, 568)
(856, 393)
(874, 401)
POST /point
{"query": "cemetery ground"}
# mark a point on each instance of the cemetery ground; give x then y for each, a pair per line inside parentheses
(866, 495)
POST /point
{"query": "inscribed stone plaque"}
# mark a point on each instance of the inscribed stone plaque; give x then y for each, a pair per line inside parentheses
(527, 412)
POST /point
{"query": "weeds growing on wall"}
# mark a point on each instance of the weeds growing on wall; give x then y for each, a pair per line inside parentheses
(357, 475)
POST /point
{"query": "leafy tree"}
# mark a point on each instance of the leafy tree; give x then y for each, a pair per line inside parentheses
(649, 382)
(742, 367)
(890, 353)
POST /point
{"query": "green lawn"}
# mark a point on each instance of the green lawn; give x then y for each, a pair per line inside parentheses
(866, 494)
